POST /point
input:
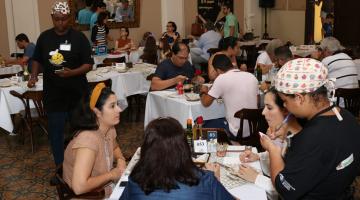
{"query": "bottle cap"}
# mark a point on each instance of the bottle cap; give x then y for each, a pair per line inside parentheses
(200, 120)
(189, 121)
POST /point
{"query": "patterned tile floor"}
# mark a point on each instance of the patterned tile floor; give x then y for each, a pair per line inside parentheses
(24, 175)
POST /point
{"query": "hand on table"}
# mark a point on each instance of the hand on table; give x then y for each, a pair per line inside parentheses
(31, 82)
(180, 78)
(248, 156)
(248, 173)
(116, 173)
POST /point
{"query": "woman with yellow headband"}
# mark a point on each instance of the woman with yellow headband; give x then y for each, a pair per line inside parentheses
(88, 160)
(322, 159)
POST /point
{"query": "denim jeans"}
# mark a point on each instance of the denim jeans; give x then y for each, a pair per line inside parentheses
(56, 123)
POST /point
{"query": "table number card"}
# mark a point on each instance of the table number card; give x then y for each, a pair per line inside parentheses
(200, 146)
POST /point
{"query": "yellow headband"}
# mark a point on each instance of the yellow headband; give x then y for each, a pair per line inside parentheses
(95, 94)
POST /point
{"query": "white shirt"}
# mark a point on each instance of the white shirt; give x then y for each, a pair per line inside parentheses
(343, 68)
(264, 181)
(239, 90)
(208, 40)
(357, 62)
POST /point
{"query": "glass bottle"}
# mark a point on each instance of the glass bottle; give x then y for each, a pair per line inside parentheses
(189, 132)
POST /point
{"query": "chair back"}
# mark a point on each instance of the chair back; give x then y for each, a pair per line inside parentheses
(36, 97)
(65, 192)
(107, 82)
(256, 122)
(351, 99)
(7, 75)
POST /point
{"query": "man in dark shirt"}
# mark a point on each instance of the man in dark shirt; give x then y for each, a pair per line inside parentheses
(65, 57)
(175, 69)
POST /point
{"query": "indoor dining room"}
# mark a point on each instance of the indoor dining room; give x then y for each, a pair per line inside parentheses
(179, 99)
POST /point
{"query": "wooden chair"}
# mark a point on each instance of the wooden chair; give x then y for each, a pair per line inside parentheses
(351, 99)
(109, 61)
(32, 116)
(107, 82)
(65, 192)
(256, 123)
(222, 137)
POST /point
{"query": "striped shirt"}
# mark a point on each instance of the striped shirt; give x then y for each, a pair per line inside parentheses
(98, 35)
(343, 68)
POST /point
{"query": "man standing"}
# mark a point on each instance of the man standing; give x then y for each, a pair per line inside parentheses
(231, 27)
(85, 14)
(65, 57)
(238, 89)
(175, 69)
(209, 39)
(100, 7)
(23, 42)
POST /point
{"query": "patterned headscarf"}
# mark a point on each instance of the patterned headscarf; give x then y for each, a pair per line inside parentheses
(61, 7)
(305, 75)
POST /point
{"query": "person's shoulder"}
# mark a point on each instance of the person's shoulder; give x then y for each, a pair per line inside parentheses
(165, 63)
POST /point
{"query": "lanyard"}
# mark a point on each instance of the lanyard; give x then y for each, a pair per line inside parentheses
(323, 111)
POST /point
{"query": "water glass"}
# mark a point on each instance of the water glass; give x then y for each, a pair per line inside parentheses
(221, 150)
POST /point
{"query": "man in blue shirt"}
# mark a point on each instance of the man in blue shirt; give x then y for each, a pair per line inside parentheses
(85, 14)
(23, 42)
(100, 7)
(125, 12)
(175, 69)
(209, 39)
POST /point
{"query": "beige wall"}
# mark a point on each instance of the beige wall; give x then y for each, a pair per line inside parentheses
(287, 25)
(44, 14)
(4, 42)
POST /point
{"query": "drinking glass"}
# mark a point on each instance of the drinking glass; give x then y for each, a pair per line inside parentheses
(221, 150)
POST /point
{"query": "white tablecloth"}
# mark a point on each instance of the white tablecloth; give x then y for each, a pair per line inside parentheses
(123, 84)
(11, 105)
(248, 191)
(159, 104)
(10, 70)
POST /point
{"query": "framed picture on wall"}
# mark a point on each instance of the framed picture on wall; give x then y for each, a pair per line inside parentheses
(210, 10)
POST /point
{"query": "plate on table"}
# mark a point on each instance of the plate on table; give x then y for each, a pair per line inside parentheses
(175, 95)
(192, 97)
(5, 83)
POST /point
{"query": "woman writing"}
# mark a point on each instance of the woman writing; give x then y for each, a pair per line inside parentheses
(88, 160)
(166, 170)
(275, 115)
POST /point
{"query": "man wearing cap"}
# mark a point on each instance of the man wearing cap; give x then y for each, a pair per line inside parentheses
(340, 65)
(64, 55)
(323, 159)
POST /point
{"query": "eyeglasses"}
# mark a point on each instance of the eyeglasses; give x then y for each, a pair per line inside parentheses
(168, 26)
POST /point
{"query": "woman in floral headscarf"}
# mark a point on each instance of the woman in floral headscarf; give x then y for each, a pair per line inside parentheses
(326, 150)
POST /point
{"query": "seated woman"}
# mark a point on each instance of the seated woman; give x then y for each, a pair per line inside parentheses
(88, 159)
(275, 113)
(143, 40)
(123, 43)
(171, 35)
(100, 32)
(150, 51)
(228, 46)
(166, 170)
(164, 50)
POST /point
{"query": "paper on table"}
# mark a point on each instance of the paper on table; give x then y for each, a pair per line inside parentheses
(231, 161)
(235, 148)
(248, 192)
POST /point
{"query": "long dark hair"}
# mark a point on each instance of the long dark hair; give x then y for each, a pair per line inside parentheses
(101, 17)
(278, 101)
(84, 117)
(165, 158)
(150, 51)
(227, 42)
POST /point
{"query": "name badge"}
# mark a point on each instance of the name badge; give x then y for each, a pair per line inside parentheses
(200, 146)
(65, 46)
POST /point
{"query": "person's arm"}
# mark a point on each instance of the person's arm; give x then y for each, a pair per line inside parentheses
(82, 181)
(205, 98)
(119, 157)
(159, 84)
(34, 73)
(264, 68)
(232, 30)
(211, 71)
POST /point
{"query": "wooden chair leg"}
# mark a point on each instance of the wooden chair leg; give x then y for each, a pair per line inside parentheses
(31, 136)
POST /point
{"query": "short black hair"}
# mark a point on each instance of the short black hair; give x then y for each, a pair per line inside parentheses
(173, 25)
(283, 52)
(329, 16)
(209, 26)
(227, 5)
(100, 4)
(227, 42)
(176, 47)
(88, 3)
(22, 37)
(222, 62)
